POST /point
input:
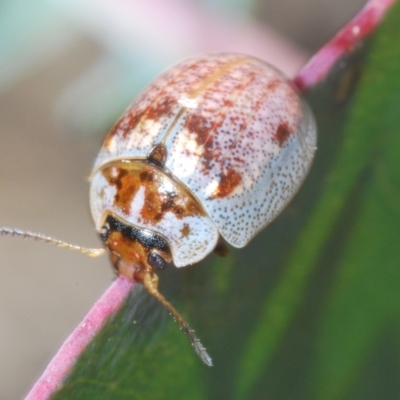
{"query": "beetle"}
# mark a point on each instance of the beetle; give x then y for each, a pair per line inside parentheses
(216, 146)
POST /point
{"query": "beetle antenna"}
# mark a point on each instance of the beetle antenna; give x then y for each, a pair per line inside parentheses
(47, 239)
(189, 332)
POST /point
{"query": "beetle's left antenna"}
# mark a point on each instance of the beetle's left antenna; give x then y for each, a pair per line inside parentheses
(47, 239)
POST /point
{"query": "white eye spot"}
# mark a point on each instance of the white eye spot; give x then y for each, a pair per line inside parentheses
(114, 172)
(112, 145)
(188, 103)
(148, 126)
(167, 186)
(211, 188)
(190, 152)
(152, 127)
(193, 147)
(138, 201)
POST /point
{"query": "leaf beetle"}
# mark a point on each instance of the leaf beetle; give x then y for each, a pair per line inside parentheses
(216, 146)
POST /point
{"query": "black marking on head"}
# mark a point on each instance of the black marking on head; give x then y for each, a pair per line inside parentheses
(148, 239)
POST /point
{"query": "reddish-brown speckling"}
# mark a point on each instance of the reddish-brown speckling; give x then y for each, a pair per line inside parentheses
(228, 103)
(227, 183)
(203, 129)
(185, 231)
(283, 133)
(160, 109)
(129, 121)
(273, 84)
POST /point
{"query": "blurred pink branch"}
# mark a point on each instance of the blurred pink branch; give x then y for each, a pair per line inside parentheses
(65, 358)
(348, 37)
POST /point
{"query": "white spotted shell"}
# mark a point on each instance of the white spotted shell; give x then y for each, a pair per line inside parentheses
(237, 138)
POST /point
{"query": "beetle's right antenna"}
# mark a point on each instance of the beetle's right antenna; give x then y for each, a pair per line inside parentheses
(150, 283)
(47, 239)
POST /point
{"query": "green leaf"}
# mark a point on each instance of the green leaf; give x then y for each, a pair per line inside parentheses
(364, 305)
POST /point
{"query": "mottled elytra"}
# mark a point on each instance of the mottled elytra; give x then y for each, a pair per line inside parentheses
(216, 146)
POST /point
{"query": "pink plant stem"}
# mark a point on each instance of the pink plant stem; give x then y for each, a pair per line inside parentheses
(63, 361)
(361, 25)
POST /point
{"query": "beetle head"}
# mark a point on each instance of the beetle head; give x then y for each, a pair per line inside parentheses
(134, 251)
